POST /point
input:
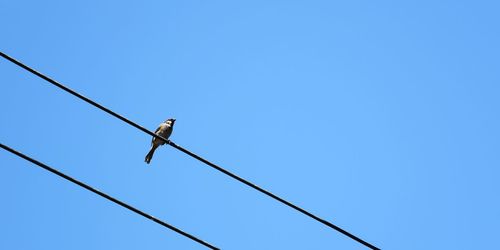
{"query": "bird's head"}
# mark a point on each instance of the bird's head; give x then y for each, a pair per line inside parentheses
(170, 121)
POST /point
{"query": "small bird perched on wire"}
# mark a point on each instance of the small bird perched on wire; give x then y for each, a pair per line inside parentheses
(164, 130)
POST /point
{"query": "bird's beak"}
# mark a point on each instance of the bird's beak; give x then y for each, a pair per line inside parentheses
(173, 119)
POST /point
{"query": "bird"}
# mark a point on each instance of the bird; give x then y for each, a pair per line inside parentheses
(164, 130)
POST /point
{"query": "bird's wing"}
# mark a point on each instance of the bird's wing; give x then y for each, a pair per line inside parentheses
(157, 131)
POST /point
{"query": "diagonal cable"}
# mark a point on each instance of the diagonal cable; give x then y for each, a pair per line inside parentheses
(303, 211)
(91, 189)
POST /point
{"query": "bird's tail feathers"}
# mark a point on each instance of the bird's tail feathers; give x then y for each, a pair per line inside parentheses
(149, 156)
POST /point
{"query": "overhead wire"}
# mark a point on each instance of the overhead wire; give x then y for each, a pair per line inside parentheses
(297, 208)
(104, 195)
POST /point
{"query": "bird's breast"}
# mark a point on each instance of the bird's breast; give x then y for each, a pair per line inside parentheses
(165, 132)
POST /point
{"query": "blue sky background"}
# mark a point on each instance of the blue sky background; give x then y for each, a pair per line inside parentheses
(381, 117)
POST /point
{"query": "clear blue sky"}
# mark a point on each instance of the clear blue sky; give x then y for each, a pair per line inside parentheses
(381, 117)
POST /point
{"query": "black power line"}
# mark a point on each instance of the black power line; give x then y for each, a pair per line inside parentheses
(125, 205)
(329, 224)
(354, 237)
